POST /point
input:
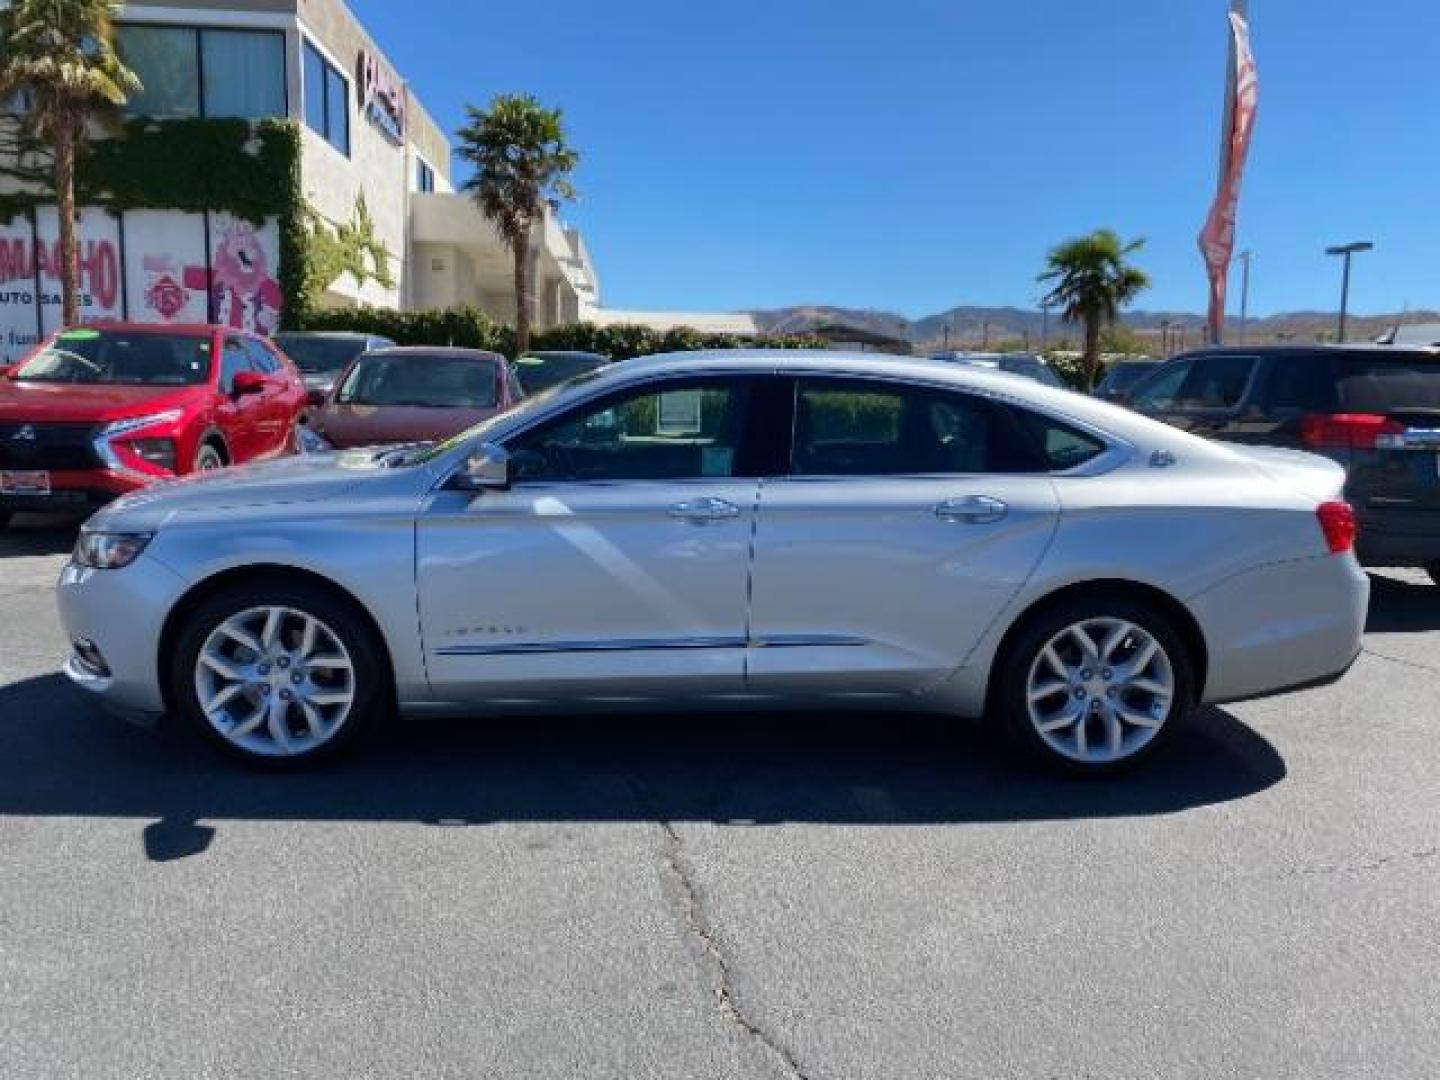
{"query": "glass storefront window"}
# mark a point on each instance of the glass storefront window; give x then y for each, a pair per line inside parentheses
(168, 64)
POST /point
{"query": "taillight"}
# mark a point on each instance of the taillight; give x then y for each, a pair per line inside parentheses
(1350, 431)
(1337, 522)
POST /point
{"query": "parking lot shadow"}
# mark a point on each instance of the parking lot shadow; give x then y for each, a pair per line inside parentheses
(1402, 606)
(33, 534)
(65, 757)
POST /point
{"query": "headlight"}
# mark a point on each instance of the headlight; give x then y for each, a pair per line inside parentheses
(135, 423)
(159, 452)
(109, 551)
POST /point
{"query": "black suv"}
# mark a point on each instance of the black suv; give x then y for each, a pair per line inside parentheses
(1374, 409)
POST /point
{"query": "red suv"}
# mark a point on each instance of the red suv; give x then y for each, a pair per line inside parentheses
(100, 410)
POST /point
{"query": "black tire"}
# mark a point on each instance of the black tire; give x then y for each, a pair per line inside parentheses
(1009, 699)
(1433, 569)
(208, 458)
(369, 663)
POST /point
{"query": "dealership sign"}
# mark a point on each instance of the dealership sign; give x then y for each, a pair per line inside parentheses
(382, 98)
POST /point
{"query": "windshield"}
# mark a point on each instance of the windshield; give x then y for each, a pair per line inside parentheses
(124, 357)
(421, 380)
(316, 355)
(541, 371)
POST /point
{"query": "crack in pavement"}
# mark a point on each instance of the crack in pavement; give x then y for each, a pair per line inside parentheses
(1379, 862)
(1401, 661)
(697, 925)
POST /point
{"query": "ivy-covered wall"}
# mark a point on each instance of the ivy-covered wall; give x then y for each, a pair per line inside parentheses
(250, 170)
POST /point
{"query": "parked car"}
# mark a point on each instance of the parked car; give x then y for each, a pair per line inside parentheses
(1031, 367)
(101, 410)
(414, 394)
(1373, 409)
(1122, 376)
(539, 371)
(720, 529)
(321, 355)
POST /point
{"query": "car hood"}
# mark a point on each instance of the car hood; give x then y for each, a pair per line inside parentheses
(370, 425)
(43, 402)
(306, 478)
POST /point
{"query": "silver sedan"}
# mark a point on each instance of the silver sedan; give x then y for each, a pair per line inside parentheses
(732, 530)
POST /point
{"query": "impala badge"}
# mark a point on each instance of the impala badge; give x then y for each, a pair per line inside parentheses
(25, 434)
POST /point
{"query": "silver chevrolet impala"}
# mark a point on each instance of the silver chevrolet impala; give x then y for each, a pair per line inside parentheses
(732, 530)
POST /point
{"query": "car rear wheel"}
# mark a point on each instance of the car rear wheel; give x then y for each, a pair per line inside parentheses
(278, 673)
(208, 459)
(1096, 686)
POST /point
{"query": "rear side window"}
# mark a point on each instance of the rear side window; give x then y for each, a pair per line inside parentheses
(1215, 382)
(1060, 446)
(1383, 384)
(1300, 383)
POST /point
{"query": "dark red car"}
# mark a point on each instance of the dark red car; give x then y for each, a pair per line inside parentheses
(414, 394)
(100, 410)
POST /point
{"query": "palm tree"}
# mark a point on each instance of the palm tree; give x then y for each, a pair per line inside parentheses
(1090, 282)
(522, 161)
(59, 55)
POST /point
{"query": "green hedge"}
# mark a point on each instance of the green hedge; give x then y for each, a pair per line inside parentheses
(469, 327)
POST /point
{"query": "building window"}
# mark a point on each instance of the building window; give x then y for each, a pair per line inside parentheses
(424, 176)
(189, 72)
(244, 73)
(327, 100)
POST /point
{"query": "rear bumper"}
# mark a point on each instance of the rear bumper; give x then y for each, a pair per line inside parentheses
(1398, 537)
(1282, 627)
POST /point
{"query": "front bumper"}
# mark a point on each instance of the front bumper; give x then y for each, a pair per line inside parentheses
(120, 615)
(74, 492)
(1281, 627)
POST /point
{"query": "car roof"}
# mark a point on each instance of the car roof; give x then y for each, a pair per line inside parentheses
(182, 329)
(339, 335)
(1295, 348)
(451, 351)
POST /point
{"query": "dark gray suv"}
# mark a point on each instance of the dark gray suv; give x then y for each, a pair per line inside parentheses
(1374, 409)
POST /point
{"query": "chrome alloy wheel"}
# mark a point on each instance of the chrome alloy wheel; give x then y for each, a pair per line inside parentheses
(1100, 690)
(275, 681)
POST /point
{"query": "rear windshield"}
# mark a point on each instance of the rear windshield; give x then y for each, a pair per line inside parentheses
(1382, 384)
(320, 355)
(421, 380)
(130, 358)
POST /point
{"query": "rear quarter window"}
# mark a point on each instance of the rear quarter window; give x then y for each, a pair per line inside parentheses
(1382, 384)
(1060, 447)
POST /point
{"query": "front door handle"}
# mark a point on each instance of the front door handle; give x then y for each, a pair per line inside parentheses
(704, 510)
(971, 509)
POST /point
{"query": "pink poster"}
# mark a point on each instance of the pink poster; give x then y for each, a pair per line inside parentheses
(166, 280)
(97, 244)
(244, 264)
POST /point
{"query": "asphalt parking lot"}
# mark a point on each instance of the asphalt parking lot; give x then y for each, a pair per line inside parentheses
(817, 897)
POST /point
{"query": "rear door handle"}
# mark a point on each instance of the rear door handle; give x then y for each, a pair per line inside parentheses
(703, 510)
(971, 509)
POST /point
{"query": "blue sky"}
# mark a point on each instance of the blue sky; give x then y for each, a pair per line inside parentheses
(917, 154)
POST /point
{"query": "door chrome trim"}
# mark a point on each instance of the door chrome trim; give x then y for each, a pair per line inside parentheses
(778, 641)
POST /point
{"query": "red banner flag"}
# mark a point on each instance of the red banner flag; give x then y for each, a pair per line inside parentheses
(1217, 238)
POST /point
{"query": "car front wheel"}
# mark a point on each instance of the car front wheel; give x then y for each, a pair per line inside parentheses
(278, 673)
(1094, 686)
(208, 459)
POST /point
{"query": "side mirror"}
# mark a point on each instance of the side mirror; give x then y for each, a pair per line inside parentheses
(486, 469)
(248, 382)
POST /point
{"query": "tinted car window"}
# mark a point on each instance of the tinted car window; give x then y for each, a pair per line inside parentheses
(1124, 374)
(1370, 382)
(137, 358)
(540, 371)
(261, 358)
(1062, 446)
(234, 358)
(1302, 383)
(862, 429)
(1161, 389)
(319, 355)
(1216, 382)
(420, 380)
(683, 431)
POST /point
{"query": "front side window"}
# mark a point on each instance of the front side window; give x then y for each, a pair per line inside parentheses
(111, 356)
(865, 429)
(1206, 384)
(167, 61)
(686, 430)
(1162, 389)
(244, 73)
(425, 381)
(261, 358)
(234, 358)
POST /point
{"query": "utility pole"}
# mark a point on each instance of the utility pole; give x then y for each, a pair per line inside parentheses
(1044, 326)
(1345, 251)
(1244, 260)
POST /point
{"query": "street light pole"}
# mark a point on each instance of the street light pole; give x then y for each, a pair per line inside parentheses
(1244, 260)
(1345, 251)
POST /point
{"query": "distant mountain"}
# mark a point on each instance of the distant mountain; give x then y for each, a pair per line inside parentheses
(970, 326)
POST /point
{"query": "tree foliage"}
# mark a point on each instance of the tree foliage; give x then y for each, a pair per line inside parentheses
(1090, 279)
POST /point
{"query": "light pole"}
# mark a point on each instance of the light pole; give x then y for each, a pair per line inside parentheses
(1345, 251)
(1244, 260)
(1044, 326)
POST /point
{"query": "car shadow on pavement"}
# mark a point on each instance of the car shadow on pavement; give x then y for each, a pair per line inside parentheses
(31, 534)
(1401, 606)
(65, 757)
